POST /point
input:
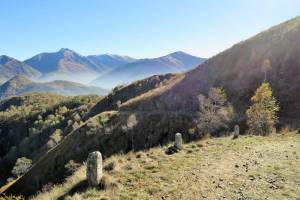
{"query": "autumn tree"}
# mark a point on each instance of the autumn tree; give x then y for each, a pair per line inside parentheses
(262, 114)
(215, 111)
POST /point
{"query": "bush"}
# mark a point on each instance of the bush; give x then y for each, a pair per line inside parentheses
(215, 111)
(262, 114)
(21, 167)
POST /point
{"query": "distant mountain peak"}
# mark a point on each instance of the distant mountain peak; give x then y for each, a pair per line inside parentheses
(9, 67)
(178, 53)
(4, 59)
(64, 61)
(65, 49)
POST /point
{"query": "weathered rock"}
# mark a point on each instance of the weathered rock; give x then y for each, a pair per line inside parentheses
(236, 129)
(178, 141)
(236, 132)
(94, 168)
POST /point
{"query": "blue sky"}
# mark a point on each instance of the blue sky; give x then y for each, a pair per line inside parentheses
(139, 28)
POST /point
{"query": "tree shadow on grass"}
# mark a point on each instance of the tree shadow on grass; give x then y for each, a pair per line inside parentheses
(79, 187)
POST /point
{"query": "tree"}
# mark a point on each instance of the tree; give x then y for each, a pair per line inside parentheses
(262, 114)
(215, 111)
(21, 167)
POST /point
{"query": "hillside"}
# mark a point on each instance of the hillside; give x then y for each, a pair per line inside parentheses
(239, 71)
(250, 167)
(65, 65)
(140, 69)
(11, 67)
(31, 124)
(19, 85)
(122, 94)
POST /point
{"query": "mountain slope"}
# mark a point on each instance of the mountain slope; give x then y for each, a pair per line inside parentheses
(10, 67)
(20, 85)
(239, 71)
(111, 61)
(172, 63)
(65, 65)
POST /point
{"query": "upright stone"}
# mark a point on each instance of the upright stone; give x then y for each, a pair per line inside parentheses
(236, 130)
(94, 168)
(178, 141)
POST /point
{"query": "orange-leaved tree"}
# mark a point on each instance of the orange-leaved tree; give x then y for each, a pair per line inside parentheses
(262, 114)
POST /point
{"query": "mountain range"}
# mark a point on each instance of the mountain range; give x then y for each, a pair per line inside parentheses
(106, 70)
(20, 85)
(139, 69)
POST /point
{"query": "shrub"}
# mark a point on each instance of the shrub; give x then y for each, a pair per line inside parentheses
(262, 114)
(215, 111)
(21, 167)
(56, 136)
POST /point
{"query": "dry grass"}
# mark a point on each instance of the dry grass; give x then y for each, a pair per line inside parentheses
(250, 167)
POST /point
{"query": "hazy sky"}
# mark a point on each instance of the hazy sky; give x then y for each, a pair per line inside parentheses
(139, 28)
